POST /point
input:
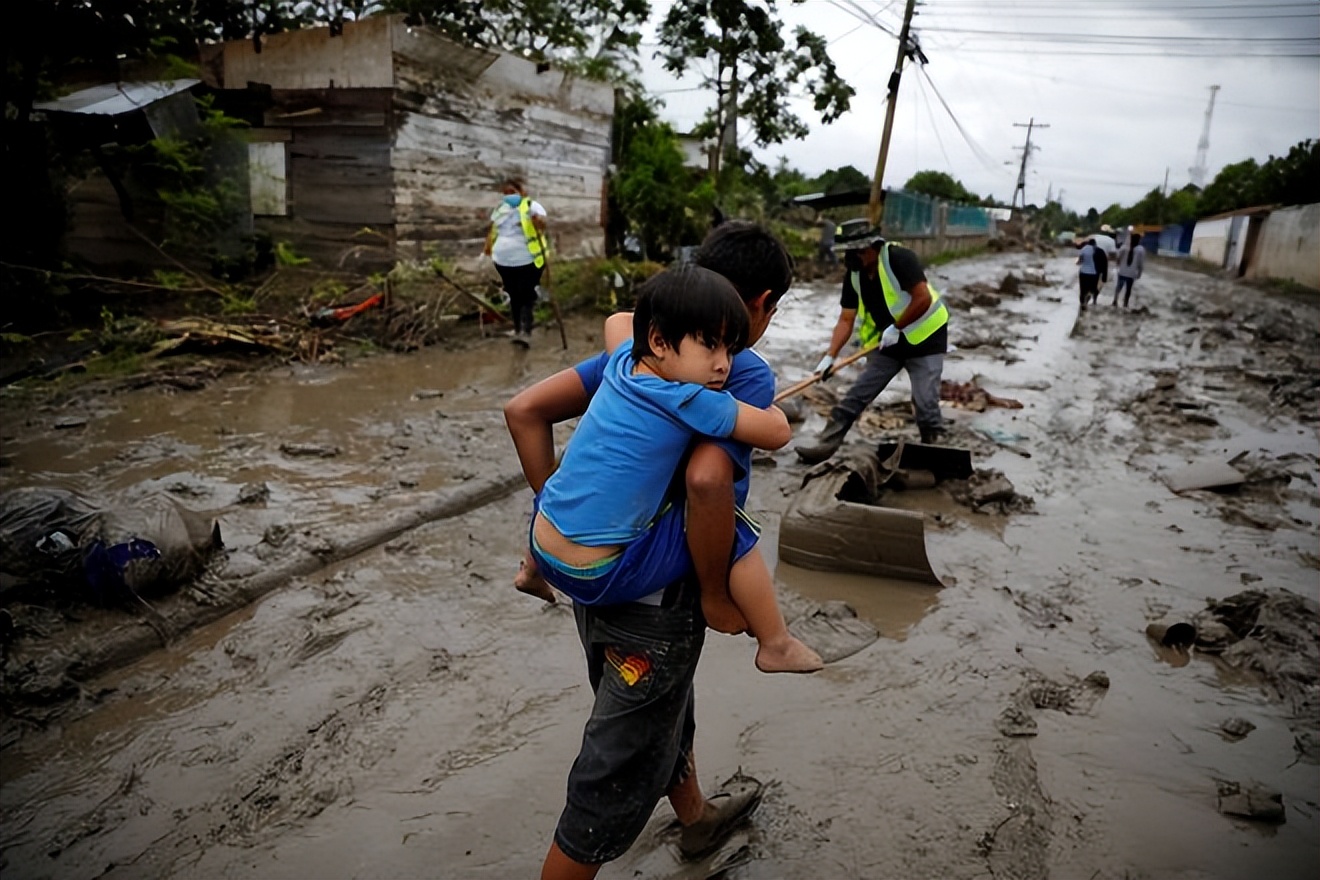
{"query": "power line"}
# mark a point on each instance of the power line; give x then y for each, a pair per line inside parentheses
(1117, 38)
(1208, 53)
(1072, 16)
(977, 150)
(1033, 5)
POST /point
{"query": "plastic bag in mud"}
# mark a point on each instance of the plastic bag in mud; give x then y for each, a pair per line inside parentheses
(56, 545)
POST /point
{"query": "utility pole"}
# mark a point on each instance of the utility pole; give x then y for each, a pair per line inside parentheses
(1164, 194)
(876, 207)
(1026, 154)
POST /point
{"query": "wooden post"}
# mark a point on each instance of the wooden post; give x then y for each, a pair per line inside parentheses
(876, 206)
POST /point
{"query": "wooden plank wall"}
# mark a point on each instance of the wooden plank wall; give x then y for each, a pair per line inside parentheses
(99, 234)
(340, 184)
(467, 120)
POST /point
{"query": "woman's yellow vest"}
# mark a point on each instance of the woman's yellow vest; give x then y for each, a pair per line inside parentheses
(534, 246)
(896, 300)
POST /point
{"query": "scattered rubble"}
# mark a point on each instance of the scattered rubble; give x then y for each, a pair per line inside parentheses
(969, 395)
(1255, 802)
(989, 491)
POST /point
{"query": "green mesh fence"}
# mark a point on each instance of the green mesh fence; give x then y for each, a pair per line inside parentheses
(908, 214)
(966, 220)
(913, 214)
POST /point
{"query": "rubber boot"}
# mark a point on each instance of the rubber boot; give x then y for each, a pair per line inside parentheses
(827, 442)
(931, 436)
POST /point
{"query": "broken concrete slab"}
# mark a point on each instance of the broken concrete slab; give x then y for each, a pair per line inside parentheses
(1255, 802)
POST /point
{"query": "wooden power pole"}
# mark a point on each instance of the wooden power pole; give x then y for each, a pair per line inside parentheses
(876, 206)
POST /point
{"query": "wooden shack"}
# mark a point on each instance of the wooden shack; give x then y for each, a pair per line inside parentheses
(390, 140)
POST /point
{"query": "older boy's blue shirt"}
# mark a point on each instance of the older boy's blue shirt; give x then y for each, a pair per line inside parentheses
(750, 380)
(616, 471)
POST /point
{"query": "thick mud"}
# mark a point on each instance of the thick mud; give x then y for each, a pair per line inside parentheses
(404, 712)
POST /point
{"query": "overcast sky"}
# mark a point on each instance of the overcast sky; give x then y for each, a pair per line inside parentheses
(1123, 86)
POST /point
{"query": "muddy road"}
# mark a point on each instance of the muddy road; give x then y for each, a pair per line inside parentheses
(403, 712)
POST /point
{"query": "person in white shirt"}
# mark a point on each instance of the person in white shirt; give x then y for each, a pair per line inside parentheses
(1131, 261)
(516, 244)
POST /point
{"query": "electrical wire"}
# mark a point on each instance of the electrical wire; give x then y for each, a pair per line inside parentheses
(935, 129)
(982, 156)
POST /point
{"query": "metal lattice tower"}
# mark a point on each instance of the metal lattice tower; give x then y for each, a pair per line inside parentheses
(1198, 171)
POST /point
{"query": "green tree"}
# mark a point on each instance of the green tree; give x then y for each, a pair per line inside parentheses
(1183, 205)
(594, 37)
(1235, 186)
(845, 179)
(1115, 215)
(665, 202)
(739, 50)
(939, 185)
(1293, 179)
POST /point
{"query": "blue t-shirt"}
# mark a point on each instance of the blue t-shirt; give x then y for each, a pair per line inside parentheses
(750, 380)
(618, 466)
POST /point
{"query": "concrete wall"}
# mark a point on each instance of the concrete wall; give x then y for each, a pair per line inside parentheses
(1210, 240)
(1289, 246)
(933, 245)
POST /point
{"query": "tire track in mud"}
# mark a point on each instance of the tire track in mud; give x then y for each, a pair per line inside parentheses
(319, 770)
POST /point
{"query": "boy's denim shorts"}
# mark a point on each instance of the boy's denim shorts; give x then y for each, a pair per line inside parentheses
(641, 660)
(654, 560)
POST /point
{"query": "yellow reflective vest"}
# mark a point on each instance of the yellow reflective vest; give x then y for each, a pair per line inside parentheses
(896, 300)
(534, 245)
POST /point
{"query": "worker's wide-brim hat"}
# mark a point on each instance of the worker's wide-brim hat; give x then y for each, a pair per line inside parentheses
(859, 237)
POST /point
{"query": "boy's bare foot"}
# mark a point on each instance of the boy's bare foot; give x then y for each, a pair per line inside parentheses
(790, 655)
(529, 580)
(722, 615)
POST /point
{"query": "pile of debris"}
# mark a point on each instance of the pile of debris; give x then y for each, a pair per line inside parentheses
(989, 491)
(971, 396)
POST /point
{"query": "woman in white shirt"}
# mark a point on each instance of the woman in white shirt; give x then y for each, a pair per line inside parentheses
(1131, 261)
(516, 244)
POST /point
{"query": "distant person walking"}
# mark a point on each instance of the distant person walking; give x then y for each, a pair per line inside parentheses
(1092, 263)
(825, 249)
(1131, 262)
(516, 244)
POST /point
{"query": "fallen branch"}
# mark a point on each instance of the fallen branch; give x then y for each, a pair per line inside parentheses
(183, 267)
(102, 279)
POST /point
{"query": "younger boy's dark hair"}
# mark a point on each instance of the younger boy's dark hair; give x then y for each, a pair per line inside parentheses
(689, 301)
(749, 256)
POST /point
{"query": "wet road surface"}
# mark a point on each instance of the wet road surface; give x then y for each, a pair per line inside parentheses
(407, 713)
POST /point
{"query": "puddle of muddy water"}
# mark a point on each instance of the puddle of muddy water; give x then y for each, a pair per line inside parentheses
(893, 606)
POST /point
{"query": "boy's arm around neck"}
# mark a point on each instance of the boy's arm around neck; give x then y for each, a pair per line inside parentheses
(531, 416)
(762, 428)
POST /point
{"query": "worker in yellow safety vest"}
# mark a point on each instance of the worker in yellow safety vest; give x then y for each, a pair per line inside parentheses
(903, 318)
(516, 243)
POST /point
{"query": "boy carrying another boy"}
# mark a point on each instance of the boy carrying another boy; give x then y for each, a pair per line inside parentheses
(604, 531)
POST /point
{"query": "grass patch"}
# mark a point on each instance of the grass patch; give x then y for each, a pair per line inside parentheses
(945, 257)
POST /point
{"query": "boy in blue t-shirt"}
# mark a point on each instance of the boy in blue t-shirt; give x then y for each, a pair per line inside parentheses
(603, 531)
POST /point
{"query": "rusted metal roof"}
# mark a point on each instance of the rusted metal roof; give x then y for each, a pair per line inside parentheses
(113, 99)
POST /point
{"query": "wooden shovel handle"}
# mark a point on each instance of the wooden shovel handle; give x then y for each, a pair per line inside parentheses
(803, 385)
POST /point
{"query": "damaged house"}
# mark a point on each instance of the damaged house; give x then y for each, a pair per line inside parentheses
(387, 141)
